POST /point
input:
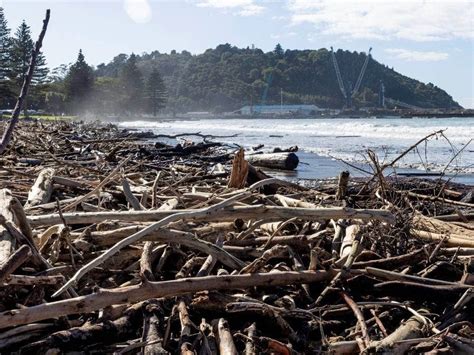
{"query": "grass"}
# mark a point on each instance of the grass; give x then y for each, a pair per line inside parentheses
(49, 117)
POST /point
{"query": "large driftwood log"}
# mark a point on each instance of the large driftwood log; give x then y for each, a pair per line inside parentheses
(147, 290)
(411, 329)
(42, 189)
(441, 227)
(106, 332)
(226, 343)
(7, 240)
(227, 214)
(452, 240)
(282, 161)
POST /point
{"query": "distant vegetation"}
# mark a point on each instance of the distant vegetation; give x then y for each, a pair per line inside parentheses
(221, 79)
(227, 77)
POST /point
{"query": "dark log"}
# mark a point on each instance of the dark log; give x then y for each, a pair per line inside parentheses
(281, 161)
(107, 332)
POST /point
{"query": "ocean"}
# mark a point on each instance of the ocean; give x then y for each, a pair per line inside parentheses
(325, 144)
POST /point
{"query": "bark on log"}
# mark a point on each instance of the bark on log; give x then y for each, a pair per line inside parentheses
(240, 170)
(147, 290)
(42, 189)
(151, 330)
(281, 161)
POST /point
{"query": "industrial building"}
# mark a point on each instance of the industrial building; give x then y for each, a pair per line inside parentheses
(273, 110)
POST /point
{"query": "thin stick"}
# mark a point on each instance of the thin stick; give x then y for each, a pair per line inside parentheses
(360, 317)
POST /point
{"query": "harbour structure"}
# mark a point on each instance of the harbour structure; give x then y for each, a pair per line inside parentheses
(284, 110)
(349, 92)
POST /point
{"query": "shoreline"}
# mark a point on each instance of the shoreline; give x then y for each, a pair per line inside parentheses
(314, 166)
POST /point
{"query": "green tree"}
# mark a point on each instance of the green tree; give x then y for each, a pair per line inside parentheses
(5, 43)
(7, 96)
(55, 102)
(156, 92)
(20, 54)
(107, 96)
(78, 83)
(132, 85)
(279, 50)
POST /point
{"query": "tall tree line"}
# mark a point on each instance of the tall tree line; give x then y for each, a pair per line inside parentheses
(74, 88)
(127, 91)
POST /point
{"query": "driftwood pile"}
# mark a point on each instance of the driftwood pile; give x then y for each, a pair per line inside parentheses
(113, 244)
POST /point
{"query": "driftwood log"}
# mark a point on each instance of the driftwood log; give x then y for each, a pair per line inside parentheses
(282, 161)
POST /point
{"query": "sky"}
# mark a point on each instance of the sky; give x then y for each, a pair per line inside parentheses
(429, 40)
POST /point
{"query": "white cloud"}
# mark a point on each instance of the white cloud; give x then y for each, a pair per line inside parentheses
(283, 35)
(417, 20)
(417, 56)
(138, 10)
(238, 7)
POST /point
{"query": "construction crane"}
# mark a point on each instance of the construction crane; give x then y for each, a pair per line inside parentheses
(352, 91)
(338, 74)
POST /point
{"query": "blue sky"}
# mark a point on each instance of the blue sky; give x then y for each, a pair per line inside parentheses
(430, 40)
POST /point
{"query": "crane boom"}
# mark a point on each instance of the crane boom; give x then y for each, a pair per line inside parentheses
(338, 74)
(402, 104)
(361, 75)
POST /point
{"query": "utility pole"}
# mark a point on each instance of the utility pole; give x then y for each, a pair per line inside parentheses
(281, 101)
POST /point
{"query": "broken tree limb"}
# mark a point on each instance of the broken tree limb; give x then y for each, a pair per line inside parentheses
(104, 298)
(14, 262)
(240, 170)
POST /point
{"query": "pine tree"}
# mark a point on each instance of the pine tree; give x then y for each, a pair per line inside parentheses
(279, 50)
(20, 54)
(78, 83)
(7, 97)
(155, 92)
(131, 81)
(5, 43)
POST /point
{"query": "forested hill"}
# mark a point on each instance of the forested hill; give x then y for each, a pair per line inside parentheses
(227, 77)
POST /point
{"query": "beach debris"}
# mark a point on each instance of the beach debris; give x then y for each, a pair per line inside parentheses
(116, 242)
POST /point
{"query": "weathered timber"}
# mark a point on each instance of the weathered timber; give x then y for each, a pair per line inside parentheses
(105, 298)
(281, 161)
